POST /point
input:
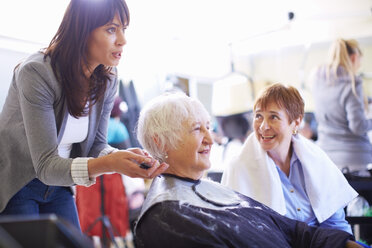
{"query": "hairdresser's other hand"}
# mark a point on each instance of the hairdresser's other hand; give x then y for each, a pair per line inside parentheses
(155, 169)
(126, 162)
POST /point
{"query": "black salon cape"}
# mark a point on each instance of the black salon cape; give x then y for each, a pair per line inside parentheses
(171, 224)
(168, 224)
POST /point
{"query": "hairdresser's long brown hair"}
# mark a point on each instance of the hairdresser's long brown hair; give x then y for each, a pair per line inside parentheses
(67, 51)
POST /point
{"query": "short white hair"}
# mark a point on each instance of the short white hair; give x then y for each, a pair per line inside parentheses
(161, 121)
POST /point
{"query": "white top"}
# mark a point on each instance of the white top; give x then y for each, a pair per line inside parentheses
(76, 131)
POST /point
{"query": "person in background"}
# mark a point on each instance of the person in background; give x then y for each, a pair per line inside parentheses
(119, 195)
(233, 129)
(117, 135)
(183, 210)
(340, 107)
(107, 197)
(53, 125)
(135, 188)
(286, 171)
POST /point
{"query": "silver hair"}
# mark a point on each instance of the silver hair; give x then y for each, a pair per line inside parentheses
(161, 121)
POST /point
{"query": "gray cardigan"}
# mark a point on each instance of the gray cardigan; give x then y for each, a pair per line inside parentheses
(342, 123)
(32, 123)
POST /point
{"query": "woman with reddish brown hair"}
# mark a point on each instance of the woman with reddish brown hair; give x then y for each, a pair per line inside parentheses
(284, 170)
(53, 125)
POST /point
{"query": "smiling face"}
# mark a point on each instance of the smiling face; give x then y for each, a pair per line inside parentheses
(105, 44)
(191, 157)
(273, 130)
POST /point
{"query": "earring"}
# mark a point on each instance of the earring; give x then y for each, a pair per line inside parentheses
(165, 157)
(295, 132)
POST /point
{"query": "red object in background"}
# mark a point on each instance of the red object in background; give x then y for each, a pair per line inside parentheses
(88, 201)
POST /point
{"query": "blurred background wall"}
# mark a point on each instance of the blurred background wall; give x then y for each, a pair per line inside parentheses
(196, 43)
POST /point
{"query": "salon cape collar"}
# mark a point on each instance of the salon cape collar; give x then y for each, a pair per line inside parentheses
(199, 193)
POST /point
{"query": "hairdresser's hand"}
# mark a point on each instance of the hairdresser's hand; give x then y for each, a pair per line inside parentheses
(126, 162)
(155, 168)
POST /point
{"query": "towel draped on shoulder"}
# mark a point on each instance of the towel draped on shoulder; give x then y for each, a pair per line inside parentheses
(254, 174)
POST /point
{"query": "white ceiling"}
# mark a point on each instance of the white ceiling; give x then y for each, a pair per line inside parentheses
(31, 20)
(174, 32)
(233, 20)
(220, 21)
(199, 31)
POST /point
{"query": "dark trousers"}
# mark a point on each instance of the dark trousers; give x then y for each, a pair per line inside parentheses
(37, 198)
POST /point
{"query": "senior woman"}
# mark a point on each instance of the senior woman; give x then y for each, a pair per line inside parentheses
(183, 210)
(285, 171)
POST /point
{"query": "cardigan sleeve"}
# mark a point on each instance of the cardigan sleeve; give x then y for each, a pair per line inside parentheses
(354, 107)
(36, 84)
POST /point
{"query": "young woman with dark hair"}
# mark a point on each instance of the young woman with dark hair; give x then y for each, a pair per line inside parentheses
(53, 125)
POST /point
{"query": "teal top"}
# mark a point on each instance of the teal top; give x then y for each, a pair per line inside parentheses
(117, 132)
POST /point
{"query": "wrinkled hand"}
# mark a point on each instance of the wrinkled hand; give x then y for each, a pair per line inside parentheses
(127, 162)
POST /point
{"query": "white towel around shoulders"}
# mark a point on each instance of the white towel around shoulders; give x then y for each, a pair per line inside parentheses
(254, 174)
